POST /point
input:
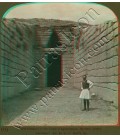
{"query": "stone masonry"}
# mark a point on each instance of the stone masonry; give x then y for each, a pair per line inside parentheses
(92, 50)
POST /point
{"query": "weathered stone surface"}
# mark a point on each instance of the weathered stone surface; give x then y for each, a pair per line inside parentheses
(102, 64)
(23, 44)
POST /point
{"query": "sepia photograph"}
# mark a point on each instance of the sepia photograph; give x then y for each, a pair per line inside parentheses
(59, 65)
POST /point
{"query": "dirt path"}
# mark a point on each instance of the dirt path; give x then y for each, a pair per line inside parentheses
(63, 109)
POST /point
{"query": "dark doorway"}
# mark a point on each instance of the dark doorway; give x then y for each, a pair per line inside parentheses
(54, 70)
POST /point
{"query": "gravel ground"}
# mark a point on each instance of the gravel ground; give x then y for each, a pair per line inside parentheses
(64, 108)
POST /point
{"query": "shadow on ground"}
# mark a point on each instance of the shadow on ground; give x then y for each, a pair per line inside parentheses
(15, 106)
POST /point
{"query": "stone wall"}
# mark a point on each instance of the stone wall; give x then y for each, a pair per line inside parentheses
(43, 35)
(17, 40)
(97, 56)
(67, 42)
(94, 51)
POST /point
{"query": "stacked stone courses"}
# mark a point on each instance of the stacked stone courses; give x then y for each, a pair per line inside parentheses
(100, 52)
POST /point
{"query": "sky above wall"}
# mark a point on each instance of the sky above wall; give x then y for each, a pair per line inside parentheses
(83, 12)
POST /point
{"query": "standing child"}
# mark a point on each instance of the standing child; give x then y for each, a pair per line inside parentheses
(85, 93)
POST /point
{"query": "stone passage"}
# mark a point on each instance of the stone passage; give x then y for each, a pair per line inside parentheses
(26, 45)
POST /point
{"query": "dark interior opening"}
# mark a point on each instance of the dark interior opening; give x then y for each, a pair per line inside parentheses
(53, 70)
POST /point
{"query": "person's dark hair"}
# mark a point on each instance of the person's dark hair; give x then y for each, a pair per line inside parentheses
(84, 77)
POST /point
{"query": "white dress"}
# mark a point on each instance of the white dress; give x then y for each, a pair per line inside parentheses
(85, 93)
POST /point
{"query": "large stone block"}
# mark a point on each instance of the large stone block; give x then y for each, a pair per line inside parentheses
(98, 72)
(115, 32)
(112, 62)
(112, 71)
(106, 94)
(115, 25)
(112, 52)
